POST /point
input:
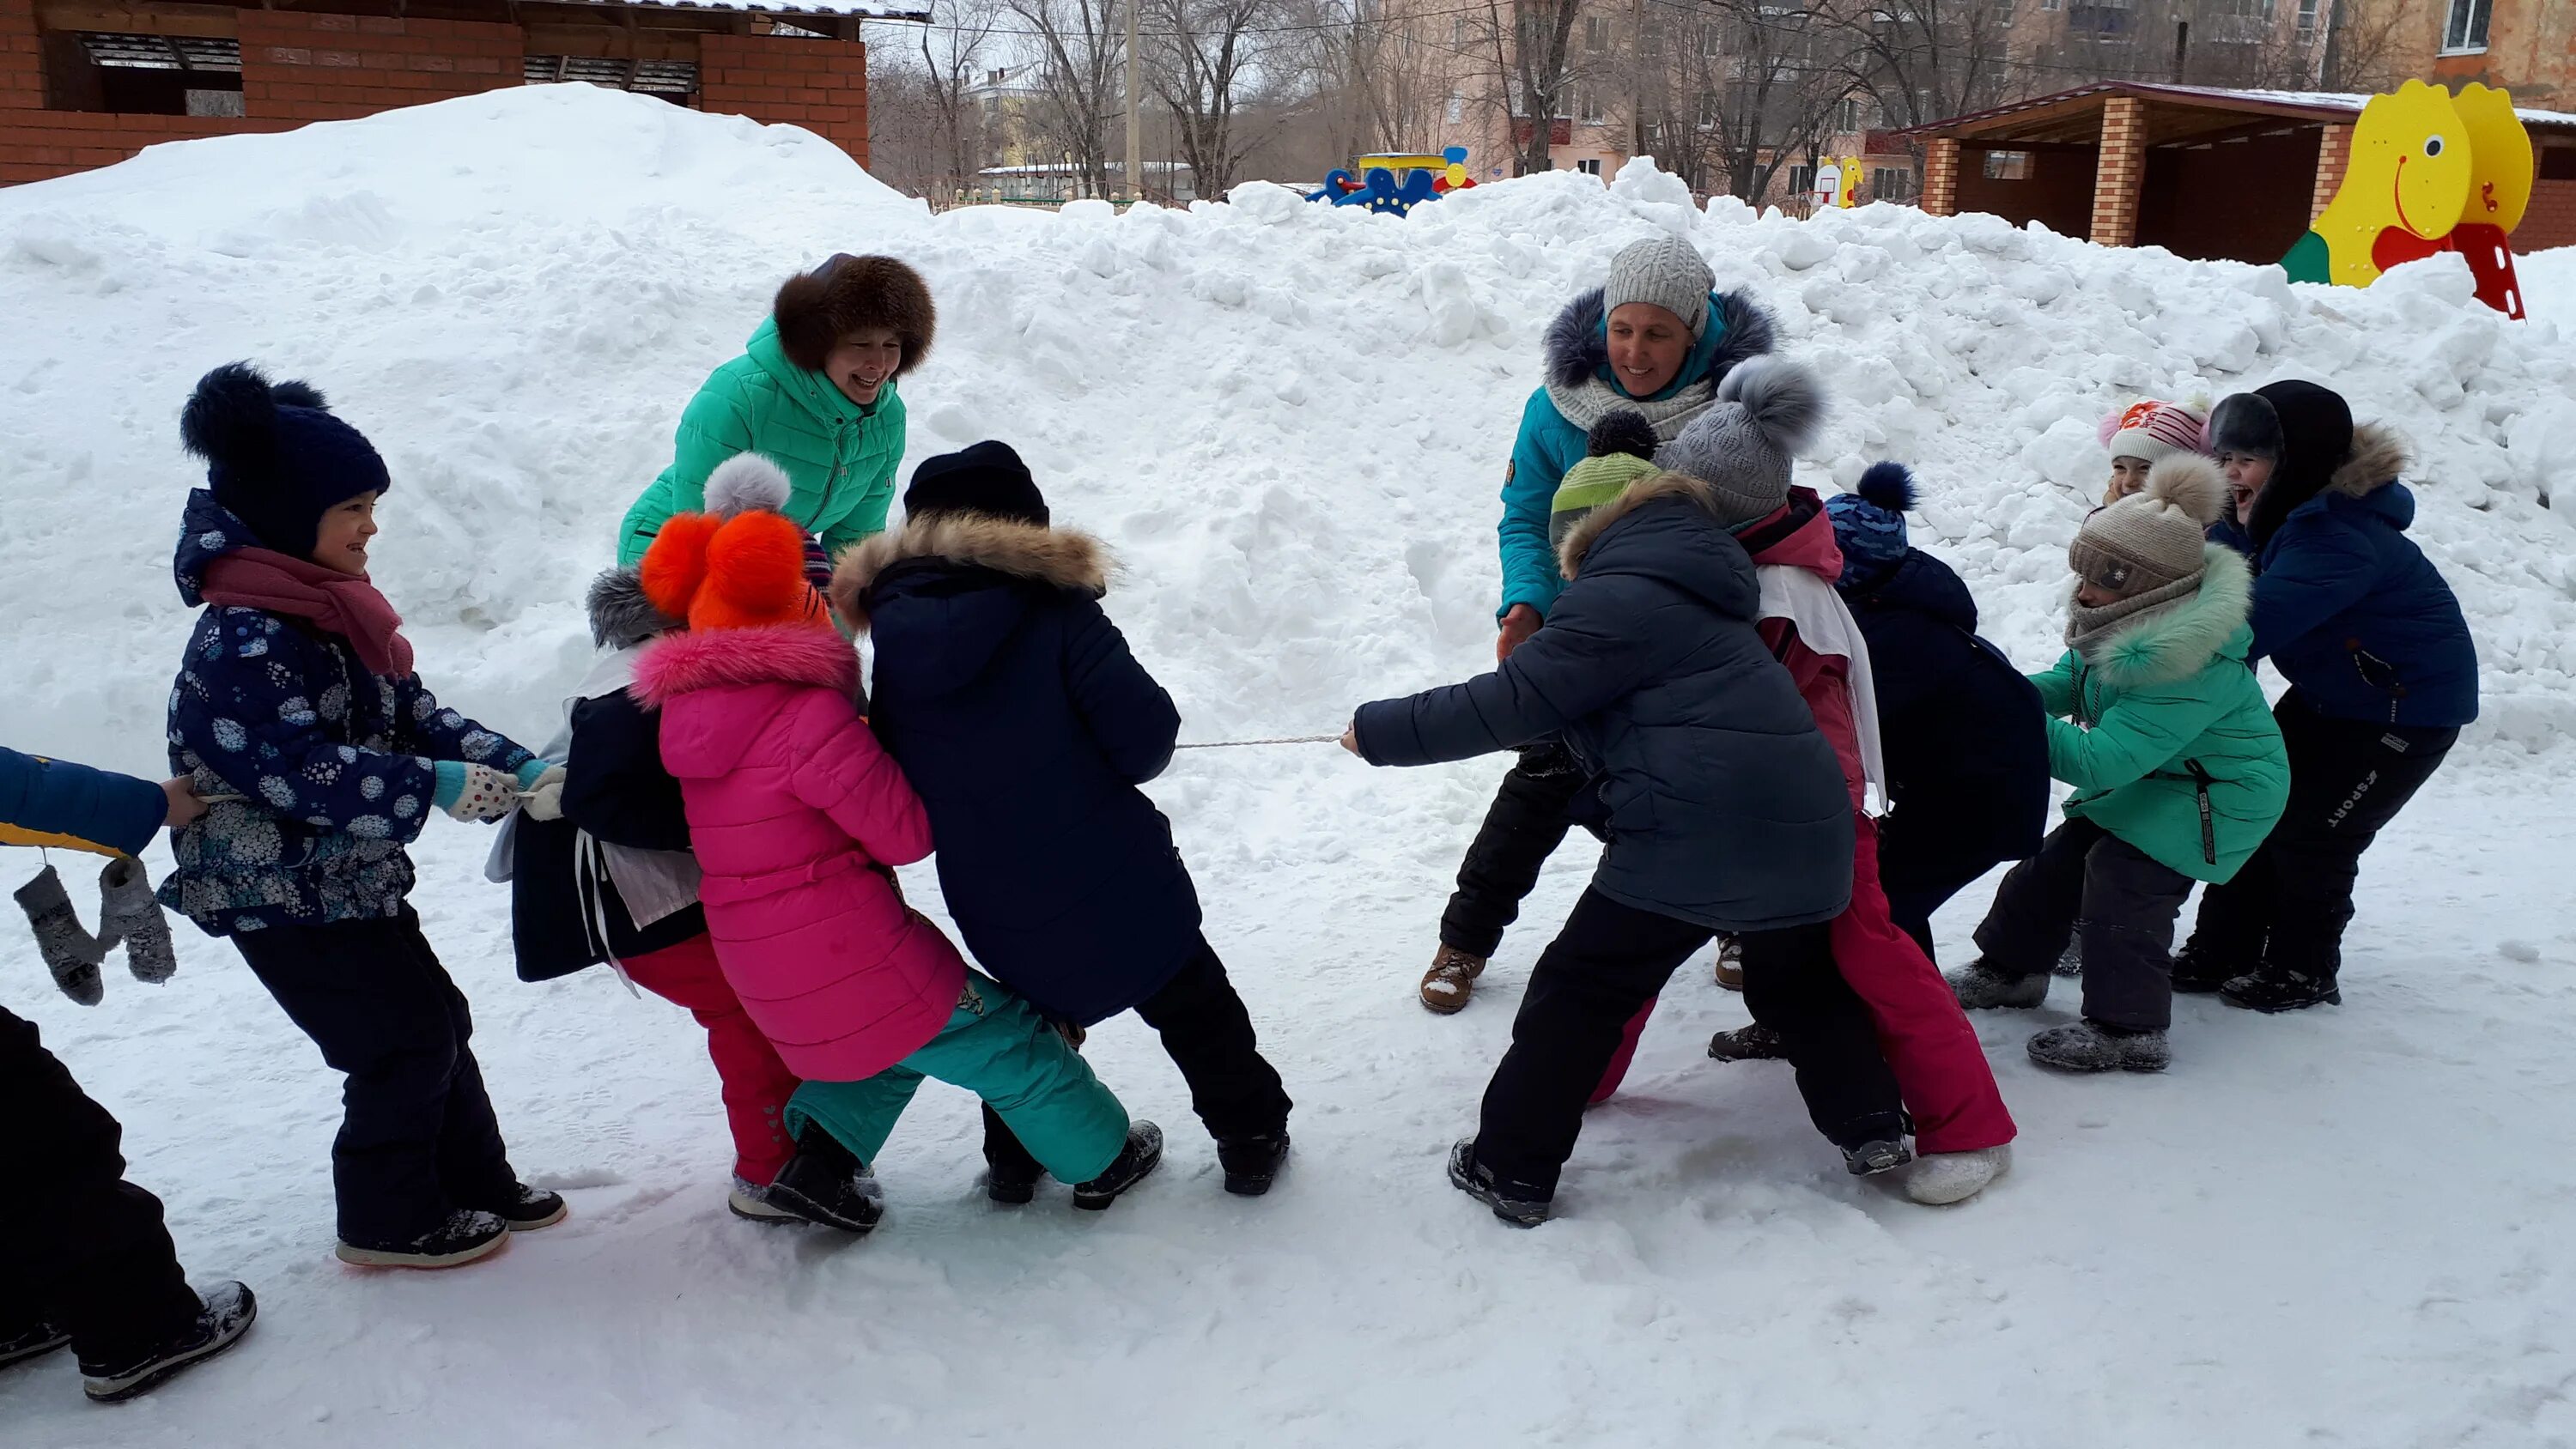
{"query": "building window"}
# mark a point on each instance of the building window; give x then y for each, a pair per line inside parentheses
(1588, 100)
(2008, 166)
(1707, 109)
(1891, 183)
(2467, 29)
(2307, 18)
(1589, 168)
(1596, 33)
(1458, 32)
(1457, 108)
(1847, 115)
(672, 80)
(147, 75)
(1802, 180)
(1708, 40)
(2051, 6)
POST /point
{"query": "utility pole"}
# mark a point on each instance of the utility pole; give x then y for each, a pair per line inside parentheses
(1135, 115)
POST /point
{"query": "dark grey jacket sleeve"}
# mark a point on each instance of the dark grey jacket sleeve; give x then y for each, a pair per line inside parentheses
(1595, 646)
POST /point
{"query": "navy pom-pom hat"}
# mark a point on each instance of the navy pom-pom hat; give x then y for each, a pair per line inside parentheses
(1869, 521)
(276, 458)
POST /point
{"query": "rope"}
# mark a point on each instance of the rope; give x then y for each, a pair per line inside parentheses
(1331, 739)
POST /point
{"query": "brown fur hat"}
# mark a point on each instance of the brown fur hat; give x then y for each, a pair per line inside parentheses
(816, 309)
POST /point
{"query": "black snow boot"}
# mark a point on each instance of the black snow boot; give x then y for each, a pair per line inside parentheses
(826, 1183)
(464, 1237)
(1877, 1155)
(1752, 1042)
(1142, 1154)
(1476, 1181)
(1252, 1163)
(229, 1310)
(34, 1341)
(2091, 1046)
(2272, 989)
(525, 1209)
(1011, 1183)
(2197, 971)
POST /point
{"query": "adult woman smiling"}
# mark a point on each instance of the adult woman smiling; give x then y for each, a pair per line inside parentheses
(1656, 340)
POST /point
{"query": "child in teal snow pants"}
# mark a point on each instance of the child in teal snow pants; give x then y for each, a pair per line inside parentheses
(1000, 1048)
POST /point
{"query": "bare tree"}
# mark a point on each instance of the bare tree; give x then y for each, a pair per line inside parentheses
(952, 65)
(1524, 43)
(904, 147)
(2365, 47)
(1197, 55)
(1786, 67)
(1081, 80)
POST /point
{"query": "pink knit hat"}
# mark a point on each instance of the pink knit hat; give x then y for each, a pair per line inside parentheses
(2154, 431)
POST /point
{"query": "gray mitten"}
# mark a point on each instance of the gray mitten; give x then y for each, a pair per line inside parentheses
(70, 952)
(128, 913)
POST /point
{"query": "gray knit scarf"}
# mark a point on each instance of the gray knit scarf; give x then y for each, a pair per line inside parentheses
(2087, 629)
(1583, 406)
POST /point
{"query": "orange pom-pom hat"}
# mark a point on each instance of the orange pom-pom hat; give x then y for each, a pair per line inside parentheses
(740, 564)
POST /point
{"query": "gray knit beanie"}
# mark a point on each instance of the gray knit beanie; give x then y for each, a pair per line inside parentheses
(1766, 410)
(1665, 271)
(2152, 538)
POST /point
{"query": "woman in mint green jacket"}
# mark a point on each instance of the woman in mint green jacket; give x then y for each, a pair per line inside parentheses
(814, 390)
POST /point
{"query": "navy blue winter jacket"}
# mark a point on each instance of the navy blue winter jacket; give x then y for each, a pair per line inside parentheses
(1965, 739)
(55, 802)
(1726, 805)
(1025, 725)
(2346, 606)
(334, 765)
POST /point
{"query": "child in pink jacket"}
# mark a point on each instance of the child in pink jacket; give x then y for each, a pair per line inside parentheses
(798, 817)
(1742, 447)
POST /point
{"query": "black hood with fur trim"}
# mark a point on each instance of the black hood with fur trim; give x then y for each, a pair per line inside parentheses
(1575, 351)
(977, 573)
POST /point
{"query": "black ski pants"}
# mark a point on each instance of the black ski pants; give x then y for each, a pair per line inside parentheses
(2127, 901)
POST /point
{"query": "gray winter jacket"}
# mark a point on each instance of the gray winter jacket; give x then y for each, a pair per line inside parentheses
(1726, 805)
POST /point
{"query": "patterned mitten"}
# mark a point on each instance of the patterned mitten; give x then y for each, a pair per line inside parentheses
(475, 793)
(127, 913)
(70, 952)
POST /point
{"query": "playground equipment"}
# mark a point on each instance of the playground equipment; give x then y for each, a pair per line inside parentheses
(1396, 182)
(1837, 181)
(2429, 172)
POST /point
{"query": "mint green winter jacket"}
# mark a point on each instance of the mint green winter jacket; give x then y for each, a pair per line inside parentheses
(839, 456)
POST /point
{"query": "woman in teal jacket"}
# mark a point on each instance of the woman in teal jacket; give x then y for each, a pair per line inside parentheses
(814, 390)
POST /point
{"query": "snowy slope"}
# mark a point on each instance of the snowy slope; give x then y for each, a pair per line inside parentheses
(1290, 422)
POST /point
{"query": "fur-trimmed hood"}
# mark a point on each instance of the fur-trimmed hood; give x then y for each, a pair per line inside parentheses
(1688, 548)
(1575, 350)
(2178, 640)
(620, 616)
(2378, 458)
(1060, 558)
(795, 654)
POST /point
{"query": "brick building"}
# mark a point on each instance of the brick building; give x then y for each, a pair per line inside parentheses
(88, 83)
(2132, 164)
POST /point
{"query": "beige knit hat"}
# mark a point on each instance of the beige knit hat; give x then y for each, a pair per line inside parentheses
(2152, 538)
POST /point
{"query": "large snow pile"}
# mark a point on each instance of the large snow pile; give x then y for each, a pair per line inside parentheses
(1290, 422)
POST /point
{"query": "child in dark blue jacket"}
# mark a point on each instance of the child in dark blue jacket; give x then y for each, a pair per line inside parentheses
(298, 715)
(1018, 714)
(2382, 677)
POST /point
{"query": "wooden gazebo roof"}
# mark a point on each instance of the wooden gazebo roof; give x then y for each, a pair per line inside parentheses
(2176, 114)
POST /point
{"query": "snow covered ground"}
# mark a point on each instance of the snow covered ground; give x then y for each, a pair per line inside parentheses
(1290, 421)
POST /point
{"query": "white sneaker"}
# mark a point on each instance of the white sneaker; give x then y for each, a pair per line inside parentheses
(1948, 1177)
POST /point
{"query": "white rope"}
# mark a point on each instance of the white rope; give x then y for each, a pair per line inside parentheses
(1242, 744)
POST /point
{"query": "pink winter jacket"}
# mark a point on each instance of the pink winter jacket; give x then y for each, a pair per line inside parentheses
(792, 805)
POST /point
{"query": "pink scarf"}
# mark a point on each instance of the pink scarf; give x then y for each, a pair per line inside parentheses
(337, 603)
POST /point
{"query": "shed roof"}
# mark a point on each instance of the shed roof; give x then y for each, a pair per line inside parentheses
(2175, 113)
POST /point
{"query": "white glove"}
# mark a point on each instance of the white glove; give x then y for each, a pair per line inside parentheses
(544, 799)
(488, 795)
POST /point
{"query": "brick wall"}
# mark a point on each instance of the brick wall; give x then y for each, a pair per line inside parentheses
(2550, 221)
(2334, 153)
(42, 145)
(310, 67)
(22, 56)
(1941, 178)
(2119, 170)
(821, 85)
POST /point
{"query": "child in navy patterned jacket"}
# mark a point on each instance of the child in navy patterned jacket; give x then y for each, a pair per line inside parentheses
(297, 713)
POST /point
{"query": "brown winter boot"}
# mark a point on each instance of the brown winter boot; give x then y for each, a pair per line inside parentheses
(1452, 976)
(1730, 963)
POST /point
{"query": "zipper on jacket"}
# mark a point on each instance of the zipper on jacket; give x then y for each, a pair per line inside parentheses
(2379, 674)
(2208, 823)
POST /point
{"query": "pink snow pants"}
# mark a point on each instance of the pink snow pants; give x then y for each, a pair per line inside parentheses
(1940, 1068)
(756, 1083)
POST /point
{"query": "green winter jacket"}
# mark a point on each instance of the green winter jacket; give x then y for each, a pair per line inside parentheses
(2170, 746)
(839, 456)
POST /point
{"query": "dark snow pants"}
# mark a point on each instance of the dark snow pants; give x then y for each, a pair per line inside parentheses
(1208, 1034)
(1612, 959)
(1920, 873)
(417, 1140)
(81, 1248)
(2127, 901)
(2288, 907)
(1523, 827)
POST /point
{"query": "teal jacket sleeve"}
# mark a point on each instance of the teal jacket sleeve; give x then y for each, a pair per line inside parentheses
(1538, 465)
(55, 802)
(2057, 686)
(2141, 732)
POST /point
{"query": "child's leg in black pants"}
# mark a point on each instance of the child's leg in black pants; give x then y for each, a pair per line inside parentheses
(1792, 986)
(1608, 961)
(418, 1139)
(81, 1248)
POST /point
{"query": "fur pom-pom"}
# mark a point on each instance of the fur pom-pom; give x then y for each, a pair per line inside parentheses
(1887, 485)
(297, 394)
(1622, 430)
(620, 614)
(1782, 400)
(755, 574)
(676, 564)
(2191, 483)
(746, 483)
(231, 418)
